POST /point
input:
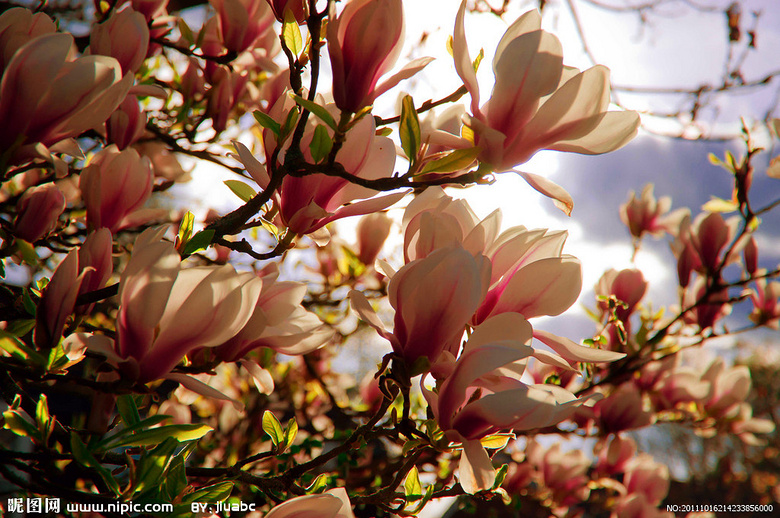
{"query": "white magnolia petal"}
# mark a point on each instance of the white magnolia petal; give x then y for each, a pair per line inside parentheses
(574, 352)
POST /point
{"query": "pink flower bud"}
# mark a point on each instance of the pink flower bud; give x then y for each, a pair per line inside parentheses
(37, 211)
(242, 22)
(372, 231)
(766, 303)
(114, 185)
(127, 124)
(124, 36)
(193, 85)
(750, 253)
(628, 286)
(364, 42)
(224, 95)
(57, 302)
(622, 410)
(96, 260)
(298, 8)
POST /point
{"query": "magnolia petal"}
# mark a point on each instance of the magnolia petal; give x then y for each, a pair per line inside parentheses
(362, 307)
(613, 131)
(99, 344)
(321, 506)
(463, 66)
(253, 166)
(561, 198)
(476, 470)
(362, 207)
(201, 388)
(262, 378)
(406, 72)
(552, 359)
(574, 352)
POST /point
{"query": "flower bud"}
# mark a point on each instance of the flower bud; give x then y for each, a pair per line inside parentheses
(124, 36)
(242, 22)
(364, 42)
(372, 231)
(126, 124)
(114, 185)
(38, 210)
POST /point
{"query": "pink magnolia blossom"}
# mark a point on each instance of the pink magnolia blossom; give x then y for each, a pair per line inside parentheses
(308, 203)
(242, 22)
(646, 215)
(297, 7)
(537, 103)
(224, 95)
(563, 472)
(124, 36)
(766, 303)
(18, 26)
(614, 457)
(127, 124)
(45, 97)
(678, 386)
(57, 302)
(706, 313)
(729, 386)
(624, 409)
(330, 504)
(628, 286)
(699, 244)
(434, 299)
(166, 311)
(278, 322)
(648, 477)
(115, 185)
(38, 211)
(364, 42)
(480, 394)
(96, 261)
(372, 232)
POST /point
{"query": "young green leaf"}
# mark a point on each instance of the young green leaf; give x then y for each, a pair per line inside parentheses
(291, 33)
(199, 241)
(500, 476)
(214, 493)
(273, 428)
(128, 411)
(409, 130)
(316, 109)
(267, 122)
(240, 189)
(154, 436)
(412, 485)
(290, 432)
(185, 229)
(43, 419)
(19, 424)
(85, 458)
(319, 484)
(289, 124)
(457, 160)
(321, 144)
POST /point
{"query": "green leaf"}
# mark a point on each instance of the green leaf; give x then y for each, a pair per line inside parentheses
(409, 130)
(29, 305)
(478, 59)
(267, 122)
(211, 494)
(496, 441)
(289, 124)
(240, 189)
(500, 476)
(291, 33)
(176, 481)
(154, 436)
(154, 465)
(319, 484)
(290, 432)
(15, 421)
(85, 458)
(186, 32)
(20, 327)
(321, 144)
(128, 411)
(43, 419)
(412, 485)
(19, 349)
(316, 109)
(273, 428)
(451, 162)
(185, 228)
(199, 241)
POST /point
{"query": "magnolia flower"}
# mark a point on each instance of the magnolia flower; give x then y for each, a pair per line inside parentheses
(18, 26)
(766, 303)
(115, 185)
(127, 124)
(648, 477)
(729, 386)
(364, 42)
(330, 504)
(308, 203)
(297, 7)
(480, 394)
(372, 232)
(278, 322)
(699, 244)
(124, 36)
(165, 312)
(434, 299)
(224, 96)
(38, 210)
(622, 410)
(242, 22)
(537, 103)
(614, 457)
(96, 261)
(564, 473)
(647, 215)
(46, 98)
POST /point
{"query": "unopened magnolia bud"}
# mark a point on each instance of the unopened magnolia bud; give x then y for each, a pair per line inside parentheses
(38, 210)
